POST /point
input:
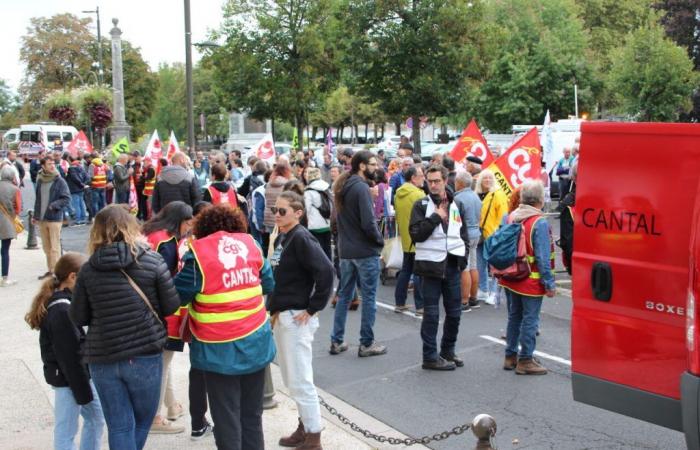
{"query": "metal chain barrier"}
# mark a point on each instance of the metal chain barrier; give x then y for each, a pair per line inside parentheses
(456, 431)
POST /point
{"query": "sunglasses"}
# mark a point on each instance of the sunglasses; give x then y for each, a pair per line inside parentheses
(275, 210)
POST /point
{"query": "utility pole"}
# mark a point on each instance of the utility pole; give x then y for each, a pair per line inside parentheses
(100, 72)
(188, 80)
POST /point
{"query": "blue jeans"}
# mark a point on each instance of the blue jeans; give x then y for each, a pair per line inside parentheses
(5, 251)
(98, 200)
(433, 288)
(67, 411)
(78, 206)
(487, 283)
(121, 197)
(366, 270)
(401, 292)
(129, 391)
(523, 322)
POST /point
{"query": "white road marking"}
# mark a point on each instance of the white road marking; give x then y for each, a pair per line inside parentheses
(391, 307)
(566, 362)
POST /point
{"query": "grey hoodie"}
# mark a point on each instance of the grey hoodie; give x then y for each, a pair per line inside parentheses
(358, 233)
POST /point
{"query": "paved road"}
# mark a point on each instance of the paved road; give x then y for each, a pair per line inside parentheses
(537, 411)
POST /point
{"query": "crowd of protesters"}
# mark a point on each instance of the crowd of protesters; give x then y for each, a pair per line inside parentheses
(237, 260)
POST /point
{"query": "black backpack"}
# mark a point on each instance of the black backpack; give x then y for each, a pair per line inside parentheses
(326, 208)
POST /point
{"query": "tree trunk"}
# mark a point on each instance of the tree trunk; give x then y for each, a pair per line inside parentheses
(416, 135)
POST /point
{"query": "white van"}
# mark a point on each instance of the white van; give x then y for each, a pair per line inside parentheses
(10, 139)
(34, 138)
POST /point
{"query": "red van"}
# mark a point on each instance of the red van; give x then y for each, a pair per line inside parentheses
(635, 337)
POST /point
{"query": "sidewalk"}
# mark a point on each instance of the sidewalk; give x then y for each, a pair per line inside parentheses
(26, 416)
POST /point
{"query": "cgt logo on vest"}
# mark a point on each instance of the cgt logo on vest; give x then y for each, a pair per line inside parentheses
(230, 250)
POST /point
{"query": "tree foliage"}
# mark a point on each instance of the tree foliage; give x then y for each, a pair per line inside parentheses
(652, 77)
(55, 53)
(275, 63)
(414, 58)
(169, 111)
(542, 53)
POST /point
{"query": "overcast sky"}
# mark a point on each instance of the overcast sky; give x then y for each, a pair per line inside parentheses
(156, 26)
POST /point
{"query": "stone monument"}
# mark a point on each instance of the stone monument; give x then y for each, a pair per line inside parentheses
(120, 128)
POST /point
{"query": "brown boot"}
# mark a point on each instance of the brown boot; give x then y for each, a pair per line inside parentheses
(529, 367)
(312, 442)
(294, 439)
(510, 362)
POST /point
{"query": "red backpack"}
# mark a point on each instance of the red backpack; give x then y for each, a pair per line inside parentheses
(520, 268)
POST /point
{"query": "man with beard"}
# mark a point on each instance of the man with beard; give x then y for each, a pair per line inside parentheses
(359, 246)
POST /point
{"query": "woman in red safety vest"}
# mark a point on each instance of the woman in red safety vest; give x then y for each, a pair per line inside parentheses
(166, 233)
(222, 281)
(525, 296)
(220, 191)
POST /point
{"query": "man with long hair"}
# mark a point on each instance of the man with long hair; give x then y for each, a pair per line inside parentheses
(359, 246)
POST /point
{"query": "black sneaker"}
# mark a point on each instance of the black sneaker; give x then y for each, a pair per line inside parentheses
(337, 349)
(474, 303)
(200, 434)
(459, 362)
(439, 364)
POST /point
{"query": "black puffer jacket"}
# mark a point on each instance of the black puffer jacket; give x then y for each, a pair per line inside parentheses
(175, 183)
(120, 324)
(60, 341)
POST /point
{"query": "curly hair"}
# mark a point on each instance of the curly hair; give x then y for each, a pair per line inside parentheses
(220, 217)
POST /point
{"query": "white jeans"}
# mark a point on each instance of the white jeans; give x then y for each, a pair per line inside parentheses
(294, 357)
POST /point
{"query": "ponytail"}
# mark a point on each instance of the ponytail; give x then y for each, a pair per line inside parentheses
(66, 265)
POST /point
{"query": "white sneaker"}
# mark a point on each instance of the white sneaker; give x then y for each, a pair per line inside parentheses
(490, 299)
(481, 295)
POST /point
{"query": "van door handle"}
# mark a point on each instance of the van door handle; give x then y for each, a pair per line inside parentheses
(601, 281)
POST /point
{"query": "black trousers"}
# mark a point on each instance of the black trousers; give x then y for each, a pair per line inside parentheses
(198, 398)
(325, 240)
(236, 407)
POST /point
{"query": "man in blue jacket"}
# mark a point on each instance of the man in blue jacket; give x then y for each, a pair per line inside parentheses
(359, 246)
(52, 196)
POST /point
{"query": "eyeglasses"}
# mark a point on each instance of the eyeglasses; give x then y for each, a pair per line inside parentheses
(275, 210)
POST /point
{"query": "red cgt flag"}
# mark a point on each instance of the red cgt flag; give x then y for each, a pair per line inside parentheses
(522, 162)
(472, 143)
(80, 144)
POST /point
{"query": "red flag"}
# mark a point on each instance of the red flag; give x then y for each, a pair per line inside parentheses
(522, 162)
(472, 143)
(79, 144)
(173, 146)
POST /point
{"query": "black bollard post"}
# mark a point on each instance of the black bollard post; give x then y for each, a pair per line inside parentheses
(269, 390)
(484, 428)
(31, 232)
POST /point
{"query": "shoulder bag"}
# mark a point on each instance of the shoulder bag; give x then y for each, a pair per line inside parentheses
(16, 221)
(483, 221)
(142, 295)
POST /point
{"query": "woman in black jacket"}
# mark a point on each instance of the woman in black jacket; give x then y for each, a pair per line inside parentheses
(60, 341)
(123, 294)
(303, 284)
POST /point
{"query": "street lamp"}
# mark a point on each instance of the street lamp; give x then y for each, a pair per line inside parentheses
(96, 11)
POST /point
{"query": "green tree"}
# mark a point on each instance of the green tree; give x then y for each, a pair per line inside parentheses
(7, 99)
(169, 112)
(275, 62)
(542, 53)
(413, 58)
(652, 77)
(56, 56)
